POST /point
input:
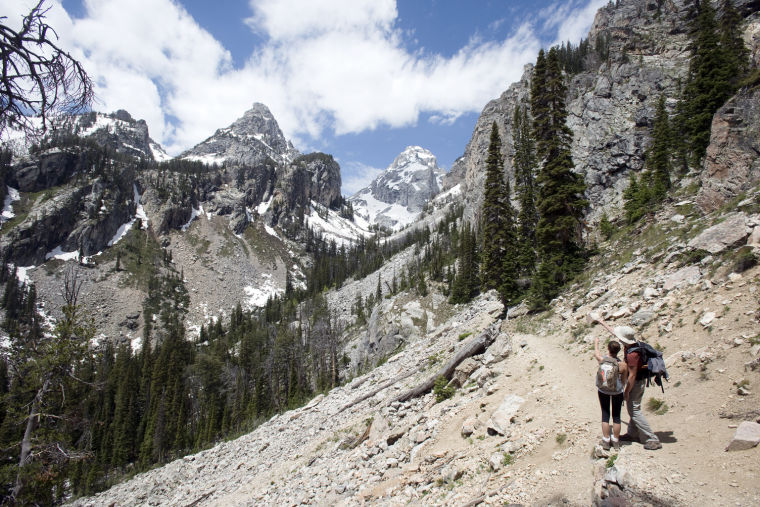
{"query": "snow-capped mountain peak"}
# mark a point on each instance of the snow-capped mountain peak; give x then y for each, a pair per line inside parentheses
(396, 197)
(249, 140)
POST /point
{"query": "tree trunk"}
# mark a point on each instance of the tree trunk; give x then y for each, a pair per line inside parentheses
(474, 346)
(26, 442)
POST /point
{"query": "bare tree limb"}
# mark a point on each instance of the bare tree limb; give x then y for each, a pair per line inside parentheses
(38, 77)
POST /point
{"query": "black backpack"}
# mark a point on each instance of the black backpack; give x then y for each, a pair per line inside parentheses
(654, 365)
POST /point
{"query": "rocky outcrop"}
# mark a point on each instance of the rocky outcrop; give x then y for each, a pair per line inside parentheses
(611, 106)
(118, 132)
(732, 164)
(398, 194)
(313, 177)
(249, 140)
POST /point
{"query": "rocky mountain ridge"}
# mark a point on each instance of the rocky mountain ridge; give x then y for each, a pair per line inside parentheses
(396, 196)
(249, 140)
(611, 104)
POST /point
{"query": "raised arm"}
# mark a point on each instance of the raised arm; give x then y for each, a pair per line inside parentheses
(595, 317)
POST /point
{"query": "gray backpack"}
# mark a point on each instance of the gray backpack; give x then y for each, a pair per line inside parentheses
(608, 376)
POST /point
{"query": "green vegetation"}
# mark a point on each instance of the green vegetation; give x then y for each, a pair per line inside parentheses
(560, 202)
(657, 406)
(464, 335)
(508, 459)
(561, 438)
(442, 390)
(611, 460)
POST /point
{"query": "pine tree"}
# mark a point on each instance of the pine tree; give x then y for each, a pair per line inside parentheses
(540, 107)
(465, 285)
(736, 53)
(709, 83)
(560, 199)
(659, 153)
(493, 215)
(525, 166)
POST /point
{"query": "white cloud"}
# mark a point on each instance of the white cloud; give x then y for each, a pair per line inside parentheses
(570, 20)
(357, 176)
(339, 65)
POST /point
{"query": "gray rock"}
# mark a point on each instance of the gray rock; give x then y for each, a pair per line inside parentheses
(731, 163)
(518, 311)
(469, 426)
(746, 437)
(495, 461)
(730, 232)
(707, 318)
(650, 293)
(463, 371)
(642, 318)
(504, 414)
(688, 275)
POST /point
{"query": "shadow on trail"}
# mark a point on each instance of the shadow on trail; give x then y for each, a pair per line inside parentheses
(666, 437)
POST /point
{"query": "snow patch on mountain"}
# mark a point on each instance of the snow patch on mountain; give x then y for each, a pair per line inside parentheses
(334, 227)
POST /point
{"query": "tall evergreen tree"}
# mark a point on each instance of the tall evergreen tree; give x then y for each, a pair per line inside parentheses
(493, 215)
(736, 53)
(525, 183)
(466, 280)
(560, 199)
(658, 158)
(709, 83)
(540, 107)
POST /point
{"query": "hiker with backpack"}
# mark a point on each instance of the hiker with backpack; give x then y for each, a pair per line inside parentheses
(644, 363)
(610, 384)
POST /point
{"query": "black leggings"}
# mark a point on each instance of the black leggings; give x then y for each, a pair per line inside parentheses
(617, 404)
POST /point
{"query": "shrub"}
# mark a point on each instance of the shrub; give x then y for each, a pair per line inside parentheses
(745, 259)
(657, 406)
(561, 438)
(606, 227)
(442, 390)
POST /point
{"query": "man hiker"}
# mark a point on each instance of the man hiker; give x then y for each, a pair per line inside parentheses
(638, 427)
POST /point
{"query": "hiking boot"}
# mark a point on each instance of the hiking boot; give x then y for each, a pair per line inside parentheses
(653, 445)
(605, 444)
(616, 444)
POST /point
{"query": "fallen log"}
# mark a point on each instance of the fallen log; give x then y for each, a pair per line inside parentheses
(476, 345)
(382, 386)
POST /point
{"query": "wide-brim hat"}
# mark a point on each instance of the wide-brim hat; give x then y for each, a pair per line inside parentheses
(625, 334)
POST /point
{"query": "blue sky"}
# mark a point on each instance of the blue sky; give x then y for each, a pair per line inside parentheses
(359, 79)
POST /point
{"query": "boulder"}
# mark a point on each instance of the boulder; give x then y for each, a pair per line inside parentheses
(642, 318)
(469, 426)
(495, 461)
(754, 238)
(503, 416)
(518, 311)
(688, 275)
(730, 232)
(463, 372)
(650, 293)
(746, 437)
(707, 319)
(499, 350)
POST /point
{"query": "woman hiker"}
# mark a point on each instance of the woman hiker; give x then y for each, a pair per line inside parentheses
(610, 384)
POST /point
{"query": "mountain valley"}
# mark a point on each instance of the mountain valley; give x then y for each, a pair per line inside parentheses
(267, 333)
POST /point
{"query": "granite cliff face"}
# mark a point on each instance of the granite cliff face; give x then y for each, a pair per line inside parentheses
(611, 104)
(397, 196)
(249, 140)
